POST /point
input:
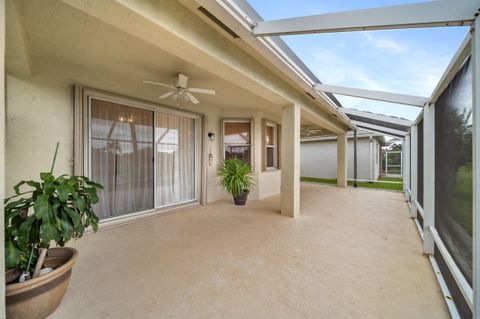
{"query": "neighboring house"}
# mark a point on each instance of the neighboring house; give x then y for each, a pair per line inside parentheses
(318, 156)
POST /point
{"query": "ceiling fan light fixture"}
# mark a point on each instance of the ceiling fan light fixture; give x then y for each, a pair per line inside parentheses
(181, 91)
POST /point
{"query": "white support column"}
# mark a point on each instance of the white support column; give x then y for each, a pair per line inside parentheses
(414, 170)
(342, 161)
(406, 171)
(476, 168)
(428, 177)
(290, 159)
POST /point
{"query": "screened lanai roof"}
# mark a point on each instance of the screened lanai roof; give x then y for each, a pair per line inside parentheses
(379, 123)
(414, 93)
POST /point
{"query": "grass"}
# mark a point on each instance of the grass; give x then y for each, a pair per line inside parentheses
(378, 185)
(390, 179)
(461, 198)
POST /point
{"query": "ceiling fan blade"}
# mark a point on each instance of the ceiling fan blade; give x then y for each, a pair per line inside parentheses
(193, 99)
(182, 80)
(202, 91)
(164, 96)
(159, 84)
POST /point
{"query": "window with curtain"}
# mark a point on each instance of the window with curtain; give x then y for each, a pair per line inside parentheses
(121, 141)
(175, 147)
(144, 158)
(237, 139)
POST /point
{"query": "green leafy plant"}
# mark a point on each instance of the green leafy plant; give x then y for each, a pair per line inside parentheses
(235, 176)
(53, 209)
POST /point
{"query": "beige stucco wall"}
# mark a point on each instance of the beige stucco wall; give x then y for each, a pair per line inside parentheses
(40, 113)
(2, 150)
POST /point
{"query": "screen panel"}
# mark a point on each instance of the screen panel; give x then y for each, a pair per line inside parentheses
(420, 163)
(453, 168)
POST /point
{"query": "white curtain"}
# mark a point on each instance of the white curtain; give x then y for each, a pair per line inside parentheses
(122, 157)
(175, 147)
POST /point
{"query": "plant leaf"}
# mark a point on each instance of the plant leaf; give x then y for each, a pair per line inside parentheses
(11, 255)
(63, 192)
(41, 206)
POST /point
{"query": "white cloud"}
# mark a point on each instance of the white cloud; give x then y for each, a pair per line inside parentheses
(335, 69)
(383, 44)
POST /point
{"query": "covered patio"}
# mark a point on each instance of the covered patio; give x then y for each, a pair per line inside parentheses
(86, 69)
(342, 258)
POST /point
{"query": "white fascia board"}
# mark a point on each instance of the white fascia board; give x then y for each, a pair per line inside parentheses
(417, 15)
(378, 128)
(373, 95)
(378, 117)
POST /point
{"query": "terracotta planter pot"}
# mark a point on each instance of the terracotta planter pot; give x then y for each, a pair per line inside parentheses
(39, 297)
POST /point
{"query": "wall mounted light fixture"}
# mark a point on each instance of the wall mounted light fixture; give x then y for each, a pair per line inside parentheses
(211, 136)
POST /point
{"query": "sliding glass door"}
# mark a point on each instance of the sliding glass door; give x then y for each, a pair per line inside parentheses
(144, 158)
(175, 147)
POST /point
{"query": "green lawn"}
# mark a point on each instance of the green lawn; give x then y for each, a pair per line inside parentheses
(462, 205)
(378, 185)
(390, 179)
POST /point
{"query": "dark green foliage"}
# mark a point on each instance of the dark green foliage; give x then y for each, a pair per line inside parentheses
(53, 209)
(235, 176)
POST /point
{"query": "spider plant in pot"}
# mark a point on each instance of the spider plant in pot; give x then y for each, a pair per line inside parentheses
(50, 210)
(236, 178)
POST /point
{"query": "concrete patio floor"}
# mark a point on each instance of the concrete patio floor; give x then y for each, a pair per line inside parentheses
(353, 253)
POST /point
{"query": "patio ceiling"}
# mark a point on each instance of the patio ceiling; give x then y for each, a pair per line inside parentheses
(58, 32)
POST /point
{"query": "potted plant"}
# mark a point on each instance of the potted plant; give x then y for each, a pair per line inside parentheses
(52, 210)
(236, 178)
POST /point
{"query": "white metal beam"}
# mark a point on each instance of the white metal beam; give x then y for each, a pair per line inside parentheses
(378, 128)
(417, 15)
(378, 117)
(406, 171)
(414, 170)
(373, 95)
(428, 178)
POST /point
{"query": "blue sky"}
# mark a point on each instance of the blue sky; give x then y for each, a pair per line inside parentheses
(402, 61)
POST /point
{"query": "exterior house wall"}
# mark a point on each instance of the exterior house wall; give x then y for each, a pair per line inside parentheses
(2, 147)
(47, 55)
(318, 159)
(40, 114)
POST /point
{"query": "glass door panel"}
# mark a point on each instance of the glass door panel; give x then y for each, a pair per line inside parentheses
(175, 159)
(121, 142)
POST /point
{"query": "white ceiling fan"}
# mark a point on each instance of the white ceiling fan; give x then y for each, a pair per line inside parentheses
(308, 131)
(180, 90)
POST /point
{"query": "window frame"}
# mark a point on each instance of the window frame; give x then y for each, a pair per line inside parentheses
(251, 145)
(275, 146)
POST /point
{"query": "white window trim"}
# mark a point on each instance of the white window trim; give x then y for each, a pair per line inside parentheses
(252, 149)
(82, 97)
(274, 146)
